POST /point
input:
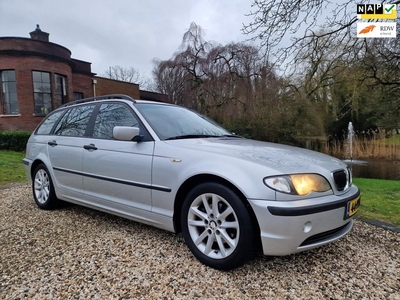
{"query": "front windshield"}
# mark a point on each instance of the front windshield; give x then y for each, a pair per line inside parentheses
(171, 122)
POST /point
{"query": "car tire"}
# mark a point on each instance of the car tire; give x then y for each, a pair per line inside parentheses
(43, 188)
(217, 226)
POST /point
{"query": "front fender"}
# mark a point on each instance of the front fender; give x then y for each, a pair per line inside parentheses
(172, 171)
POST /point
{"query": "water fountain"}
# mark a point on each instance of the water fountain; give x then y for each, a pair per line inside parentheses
(350, 135)
(349, 144)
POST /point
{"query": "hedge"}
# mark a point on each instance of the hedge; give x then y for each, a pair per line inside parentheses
(14, 140)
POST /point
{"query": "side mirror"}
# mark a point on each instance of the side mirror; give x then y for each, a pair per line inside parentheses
(124, 133)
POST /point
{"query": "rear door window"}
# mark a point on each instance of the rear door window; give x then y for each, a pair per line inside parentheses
(75, 121)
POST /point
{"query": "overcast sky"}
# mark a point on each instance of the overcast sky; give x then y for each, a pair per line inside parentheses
(129, 33)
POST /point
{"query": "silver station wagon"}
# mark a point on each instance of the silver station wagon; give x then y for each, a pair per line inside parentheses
(172, 168)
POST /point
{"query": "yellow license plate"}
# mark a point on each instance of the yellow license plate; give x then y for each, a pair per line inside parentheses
(352, 207)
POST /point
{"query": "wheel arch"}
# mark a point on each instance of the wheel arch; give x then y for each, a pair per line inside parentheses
(34, 166)
(191, 182)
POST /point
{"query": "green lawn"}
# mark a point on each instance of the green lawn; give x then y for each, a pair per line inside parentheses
(11, 167)
(380, 199)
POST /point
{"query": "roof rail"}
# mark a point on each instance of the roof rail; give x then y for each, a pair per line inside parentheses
(102, 97)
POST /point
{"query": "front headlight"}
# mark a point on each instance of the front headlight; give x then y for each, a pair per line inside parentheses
(298, 184)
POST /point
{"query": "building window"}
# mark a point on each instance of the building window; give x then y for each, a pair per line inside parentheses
(42, 92)
(78, 96)
(8, 93)
(61, 89)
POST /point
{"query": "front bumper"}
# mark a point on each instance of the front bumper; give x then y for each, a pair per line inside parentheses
(288, 227)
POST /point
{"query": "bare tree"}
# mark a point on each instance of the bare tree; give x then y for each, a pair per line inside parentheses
(130, 75)
(170, 79)
(284, 28)
(314, 43)
(230, 83)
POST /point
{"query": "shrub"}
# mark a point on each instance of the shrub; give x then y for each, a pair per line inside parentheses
(14, 140)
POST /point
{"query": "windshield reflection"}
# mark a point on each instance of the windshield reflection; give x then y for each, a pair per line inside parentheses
(173, 122)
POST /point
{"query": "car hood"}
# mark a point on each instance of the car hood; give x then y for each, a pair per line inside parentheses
(282, 158)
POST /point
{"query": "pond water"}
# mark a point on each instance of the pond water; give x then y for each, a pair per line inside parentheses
(378, 169)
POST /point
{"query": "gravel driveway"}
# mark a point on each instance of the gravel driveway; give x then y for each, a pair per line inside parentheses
(77, 253)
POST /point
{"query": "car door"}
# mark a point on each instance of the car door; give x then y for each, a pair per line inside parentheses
(117, 174)
(65, 147)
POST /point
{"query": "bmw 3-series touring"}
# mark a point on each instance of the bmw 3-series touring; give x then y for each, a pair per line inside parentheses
(172, 168)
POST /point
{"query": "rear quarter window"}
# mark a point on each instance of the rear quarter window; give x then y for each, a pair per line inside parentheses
(46, 127)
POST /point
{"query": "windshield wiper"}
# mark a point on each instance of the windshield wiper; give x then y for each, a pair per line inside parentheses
(197, 136)
(191, 136)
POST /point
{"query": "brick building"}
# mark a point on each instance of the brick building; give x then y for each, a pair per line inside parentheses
(37, 76)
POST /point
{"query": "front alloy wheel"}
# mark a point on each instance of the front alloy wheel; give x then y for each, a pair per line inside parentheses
(217, 226)
(213, 226)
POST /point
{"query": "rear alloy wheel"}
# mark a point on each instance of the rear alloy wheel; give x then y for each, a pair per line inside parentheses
(217, 226)
(43, 189)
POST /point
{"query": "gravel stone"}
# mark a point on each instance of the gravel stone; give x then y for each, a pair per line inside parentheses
(78, 253)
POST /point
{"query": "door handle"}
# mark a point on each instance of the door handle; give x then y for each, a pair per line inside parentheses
(52, 143)
(90, 147)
